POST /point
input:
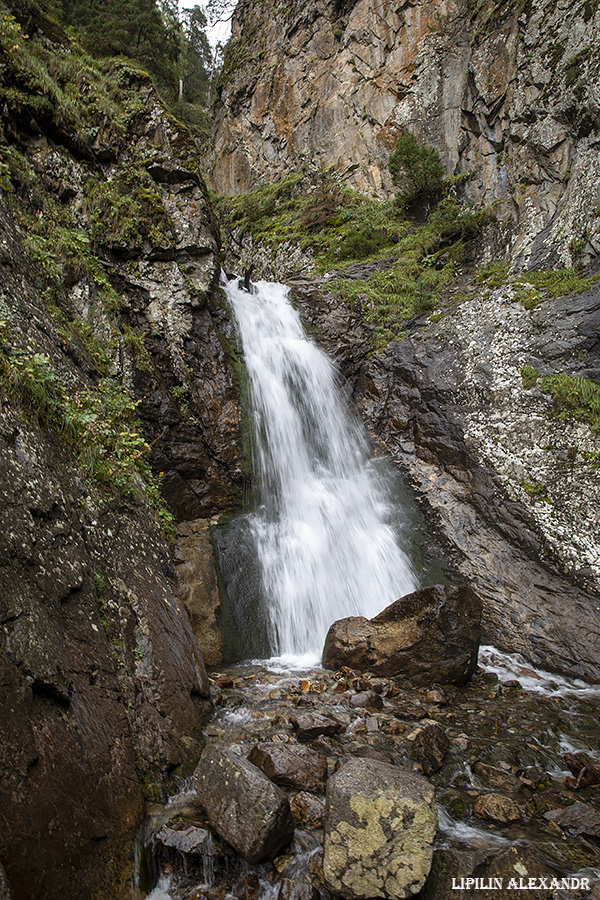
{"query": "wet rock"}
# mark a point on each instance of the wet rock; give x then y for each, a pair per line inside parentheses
(291, 889)
(242, 805)
(517, 863)
(579, 818)
(307, 810)
(584, 768)
(309, 726)
(431, 635)
(196, 587)
(291, 765)
(497, 808)
(188, 839)
(520, 863)
(366, 700)
(5, 893)
(430, 747)
(494, 777)
(379, 830)
(436, 696)
(384, 687)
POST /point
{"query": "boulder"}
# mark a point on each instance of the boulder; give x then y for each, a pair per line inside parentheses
(579, 818)
(291, 765)
(380, 824)
(431, 635)
(308, 726)
(242, 805)
(430, 747)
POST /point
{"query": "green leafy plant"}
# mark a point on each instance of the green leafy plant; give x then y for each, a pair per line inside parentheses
(99, 423)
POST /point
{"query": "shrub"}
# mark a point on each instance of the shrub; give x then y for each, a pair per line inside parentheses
(416, 170)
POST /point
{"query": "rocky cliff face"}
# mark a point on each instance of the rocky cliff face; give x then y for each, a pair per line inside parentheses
(508, 92)
(109, 310)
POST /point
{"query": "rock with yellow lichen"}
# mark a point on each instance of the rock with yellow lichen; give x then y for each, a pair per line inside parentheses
(379, 830)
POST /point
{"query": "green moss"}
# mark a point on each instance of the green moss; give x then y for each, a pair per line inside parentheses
(536, 491)
(574, 398)
(560, 282)
(529, 376)
(340, 227)
(135, 341)
(494, 274)
(63, 88)
(127, 210)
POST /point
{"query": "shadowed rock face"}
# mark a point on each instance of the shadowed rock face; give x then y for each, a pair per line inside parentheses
(103, 688)
(508, 95)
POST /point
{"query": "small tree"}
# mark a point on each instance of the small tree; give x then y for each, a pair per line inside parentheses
(416, 171)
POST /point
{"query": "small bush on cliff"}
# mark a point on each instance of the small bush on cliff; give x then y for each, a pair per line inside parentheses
(416, 171)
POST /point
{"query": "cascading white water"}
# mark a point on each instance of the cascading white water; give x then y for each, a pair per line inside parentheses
(325, 544)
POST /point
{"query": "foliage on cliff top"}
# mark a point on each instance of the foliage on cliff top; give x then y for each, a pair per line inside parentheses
(413, 262)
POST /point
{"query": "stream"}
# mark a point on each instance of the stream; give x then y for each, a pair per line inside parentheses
(325, 537)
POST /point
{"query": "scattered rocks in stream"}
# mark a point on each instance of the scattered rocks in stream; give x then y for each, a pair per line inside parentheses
(431, 635)
(379, 831)
(494, 753)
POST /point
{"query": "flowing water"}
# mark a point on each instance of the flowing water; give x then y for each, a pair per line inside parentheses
(322, 529)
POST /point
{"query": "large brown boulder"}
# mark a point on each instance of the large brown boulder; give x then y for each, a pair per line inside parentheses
(431, 635)
(379, 830)
(242, 805)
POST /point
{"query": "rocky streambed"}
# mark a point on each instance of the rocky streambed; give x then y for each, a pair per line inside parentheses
(513, 757)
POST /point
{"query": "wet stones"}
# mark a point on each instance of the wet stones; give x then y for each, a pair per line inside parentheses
(580, 818)
(431, 636)
(366, 700)
(189, 839)
(242, 805)
(309, 726)
(379, 829)
(291, 765)
(308, 810)
(585, 770)
(430, 747)
(497, 808)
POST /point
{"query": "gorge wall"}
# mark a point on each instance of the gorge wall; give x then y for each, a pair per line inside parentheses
(109, 311)
(508, 92)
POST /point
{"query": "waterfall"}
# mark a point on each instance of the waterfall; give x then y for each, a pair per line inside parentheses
(322, 527)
